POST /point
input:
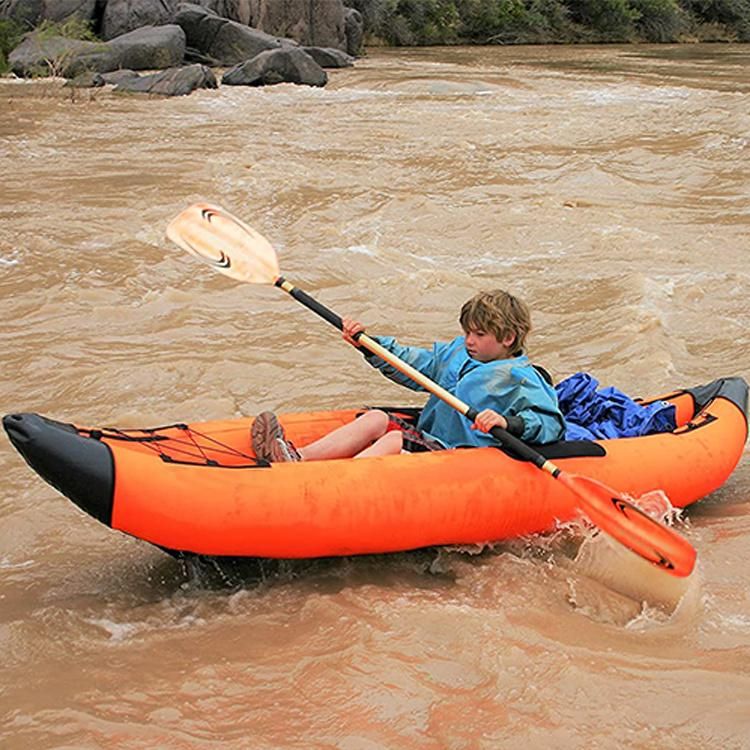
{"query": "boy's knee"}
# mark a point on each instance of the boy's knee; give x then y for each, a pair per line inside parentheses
(394, 441)
(377, 422)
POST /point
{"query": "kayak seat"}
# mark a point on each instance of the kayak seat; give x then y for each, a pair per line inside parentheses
(552, 451)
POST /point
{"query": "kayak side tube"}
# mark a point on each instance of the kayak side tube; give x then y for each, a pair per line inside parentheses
(81, 468)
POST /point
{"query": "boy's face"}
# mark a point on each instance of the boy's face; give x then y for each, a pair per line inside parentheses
(485, 347)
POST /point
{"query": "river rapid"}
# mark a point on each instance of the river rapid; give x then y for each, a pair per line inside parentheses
(609, 187)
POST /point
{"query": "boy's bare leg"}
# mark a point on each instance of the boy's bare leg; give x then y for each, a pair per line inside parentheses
(351, 439)
(388, 445)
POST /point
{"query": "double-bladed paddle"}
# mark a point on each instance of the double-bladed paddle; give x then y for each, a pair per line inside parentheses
(238, 251)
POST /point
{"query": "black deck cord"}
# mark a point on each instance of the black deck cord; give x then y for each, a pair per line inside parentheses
(152, 438)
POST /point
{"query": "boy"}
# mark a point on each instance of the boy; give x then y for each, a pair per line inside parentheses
(485, 368)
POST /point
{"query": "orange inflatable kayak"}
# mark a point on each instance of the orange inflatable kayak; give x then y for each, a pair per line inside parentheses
(198, 488)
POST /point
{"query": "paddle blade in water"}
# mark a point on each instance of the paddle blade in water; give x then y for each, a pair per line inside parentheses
(632, 527)
(224, 242)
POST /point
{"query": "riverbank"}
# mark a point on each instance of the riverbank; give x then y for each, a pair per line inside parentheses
(427, 22)
(331, 23)
(685, 65)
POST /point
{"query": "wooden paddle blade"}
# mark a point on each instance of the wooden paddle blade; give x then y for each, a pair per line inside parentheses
(224, 242)
(630, 526)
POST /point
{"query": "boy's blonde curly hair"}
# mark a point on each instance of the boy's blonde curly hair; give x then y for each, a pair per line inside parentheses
(499, 313)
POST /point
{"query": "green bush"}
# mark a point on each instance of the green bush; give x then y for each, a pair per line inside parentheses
(73, 28)
(413, 22)
(660, 20)
(59, 59)
(732, 14)
(10, 36)
(417, 22)
(605, 20)
(550, 21)
(487, 21)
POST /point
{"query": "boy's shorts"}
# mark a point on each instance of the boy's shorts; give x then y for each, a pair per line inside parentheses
(415, 441)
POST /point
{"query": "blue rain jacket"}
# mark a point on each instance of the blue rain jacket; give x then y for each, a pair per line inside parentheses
(512, 387)
(592, 414)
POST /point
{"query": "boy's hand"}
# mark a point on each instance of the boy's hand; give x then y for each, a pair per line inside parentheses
(489, 418)
(350, 328)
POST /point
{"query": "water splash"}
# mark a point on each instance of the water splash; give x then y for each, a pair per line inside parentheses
(621, 571)
(9, 260)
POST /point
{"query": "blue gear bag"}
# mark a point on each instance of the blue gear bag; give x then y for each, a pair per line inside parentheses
(592, 413)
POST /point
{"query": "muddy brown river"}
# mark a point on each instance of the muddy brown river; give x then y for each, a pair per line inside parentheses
(610, 187)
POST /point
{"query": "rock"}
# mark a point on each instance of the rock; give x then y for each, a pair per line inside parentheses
(143, 49)
(354, 28)
(149, 47)
(329, 57)
(318, 23)
(27, 13)
(227, 42)
(62, 10)
(234, 10)
(173, 82)
(288, 65)
(86, 80)
(118, 76)
(193, 55)
(42, 55)
(122, 16)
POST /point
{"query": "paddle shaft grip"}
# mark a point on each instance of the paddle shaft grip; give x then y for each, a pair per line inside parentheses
(310, 302)
(502, 436)
(518, 446)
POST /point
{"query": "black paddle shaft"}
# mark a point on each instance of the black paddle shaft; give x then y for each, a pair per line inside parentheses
(521, 449)
(310, 302)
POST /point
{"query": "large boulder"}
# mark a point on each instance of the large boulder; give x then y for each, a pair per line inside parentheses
(288, 65)
(27, 13)
(173, 82)
(122, 16)
(318, 23)
(62, 10)
(42, 55)
(354, 28)
(329, 57)
(224, 41)
(118, 76)
(149, 47)
(234, 10)
(142, 49)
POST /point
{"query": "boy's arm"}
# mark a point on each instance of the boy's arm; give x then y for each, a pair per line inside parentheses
(420, 359)
(542, 423)
(530, 425)
(528, 404)
(542, 419)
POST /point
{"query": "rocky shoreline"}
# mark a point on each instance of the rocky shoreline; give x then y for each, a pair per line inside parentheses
(184, 41)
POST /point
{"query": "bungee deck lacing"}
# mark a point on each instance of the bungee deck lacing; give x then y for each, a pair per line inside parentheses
(188, 446)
